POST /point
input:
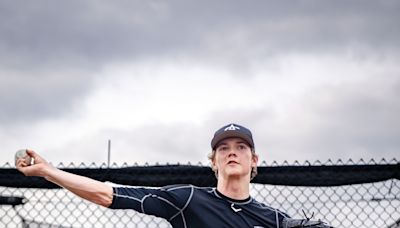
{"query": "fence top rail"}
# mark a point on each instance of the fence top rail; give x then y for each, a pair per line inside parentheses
(309, 174)
(382, 161)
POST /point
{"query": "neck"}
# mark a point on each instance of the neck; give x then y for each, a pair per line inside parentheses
(235, 188)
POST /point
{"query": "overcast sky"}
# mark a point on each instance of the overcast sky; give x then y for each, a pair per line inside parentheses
(313, 80)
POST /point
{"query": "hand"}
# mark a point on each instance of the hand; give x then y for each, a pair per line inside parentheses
(300, 223)
(40, 166)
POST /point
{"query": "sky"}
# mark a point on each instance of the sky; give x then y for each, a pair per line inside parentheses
(313, 80)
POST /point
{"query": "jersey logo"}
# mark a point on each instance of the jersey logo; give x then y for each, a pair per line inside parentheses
(235, 209)
(232, 128)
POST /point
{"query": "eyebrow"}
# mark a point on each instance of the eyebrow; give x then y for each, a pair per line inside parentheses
(239, 141)
(220, 144)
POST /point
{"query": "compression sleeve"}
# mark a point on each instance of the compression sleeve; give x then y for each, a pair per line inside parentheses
(167, 202)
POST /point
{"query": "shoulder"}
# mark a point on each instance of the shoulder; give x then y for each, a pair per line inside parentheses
(187, 187)
(189, 192)
(177, 187)
(268, 209)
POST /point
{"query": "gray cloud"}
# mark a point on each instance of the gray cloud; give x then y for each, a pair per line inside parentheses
(52, 52)
(354, 120)
(156, 142)
(93, 33)
(360, 119)
(357, 119)
(27, 98)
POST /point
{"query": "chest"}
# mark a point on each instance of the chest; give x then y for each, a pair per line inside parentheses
(206, 211)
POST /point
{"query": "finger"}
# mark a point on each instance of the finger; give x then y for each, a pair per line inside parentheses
(25, 170)
(21, 165)
(29, 170)
(36, 157)
(31, 153)
(20, 162)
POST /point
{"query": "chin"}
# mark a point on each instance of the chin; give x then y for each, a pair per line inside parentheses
(234, 173)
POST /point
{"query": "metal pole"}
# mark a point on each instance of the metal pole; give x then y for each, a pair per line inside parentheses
(109, 153)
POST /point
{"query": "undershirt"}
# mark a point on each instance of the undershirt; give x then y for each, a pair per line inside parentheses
(187, 206)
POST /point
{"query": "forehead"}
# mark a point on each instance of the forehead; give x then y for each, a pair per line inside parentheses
(233, 140)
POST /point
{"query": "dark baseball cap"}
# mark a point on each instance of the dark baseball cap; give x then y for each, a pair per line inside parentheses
(231, 131)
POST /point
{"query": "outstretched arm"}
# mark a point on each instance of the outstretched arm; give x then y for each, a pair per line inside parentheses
(89, 189)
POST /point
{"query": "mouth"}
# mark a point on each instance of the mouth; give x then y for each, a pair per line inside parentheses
(232, 163)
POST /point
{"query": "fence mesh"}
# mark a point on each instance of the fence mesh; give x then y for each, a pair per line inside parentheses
(374, 204)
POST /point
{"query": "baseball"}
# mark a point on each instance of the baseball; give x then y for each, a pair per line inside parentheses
(22, 154)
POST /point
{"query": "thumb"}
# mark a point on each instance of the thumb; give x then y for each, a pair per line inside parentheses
(36, 157)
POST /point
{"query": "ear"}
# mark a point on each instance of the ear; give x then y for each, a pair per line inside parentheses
(213, 164)
(254, 160)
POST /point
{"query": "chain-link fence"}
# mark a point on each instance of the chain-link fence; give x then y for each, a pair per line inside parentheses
(374, 204)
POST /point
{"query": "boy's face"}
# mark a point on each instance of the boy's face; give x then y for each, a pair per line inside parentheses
(233, 158)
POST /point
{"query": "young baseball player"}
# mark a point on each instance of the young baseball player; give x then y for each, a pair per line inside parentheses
(234, 161)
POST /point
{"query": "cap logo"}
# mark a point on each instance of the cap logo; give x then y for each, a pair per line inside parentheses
(232, 128)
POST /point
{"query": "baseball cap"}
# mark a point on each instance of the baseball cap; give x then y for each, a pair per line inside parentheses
(232, 130)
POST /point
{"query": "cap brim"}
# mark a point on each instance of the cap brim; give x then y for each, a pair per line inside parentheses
(231, 134)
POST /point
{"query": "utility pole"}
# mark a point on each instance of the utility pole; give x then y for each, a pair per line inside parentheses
(109, 153)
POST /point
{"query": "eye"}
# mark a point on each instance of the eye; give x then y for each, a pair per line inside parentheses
(222, 148)
(242, 147)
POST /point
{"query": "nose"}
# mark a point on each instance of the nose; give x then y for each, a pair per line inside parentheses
(232, 153)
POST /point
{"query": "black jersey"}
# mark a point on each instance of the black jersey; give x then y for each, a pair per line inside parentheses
(187, 206)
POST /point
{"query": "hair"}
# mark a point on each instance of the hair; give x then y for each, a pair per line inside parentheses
(253, 173)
